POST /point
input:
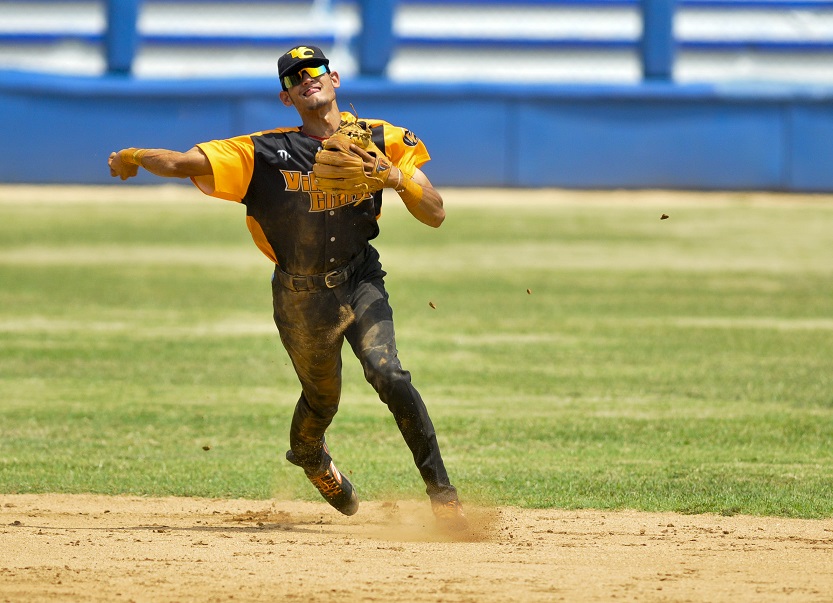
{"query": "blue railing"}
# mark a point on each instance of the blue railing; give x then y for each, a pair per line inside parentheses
(376, 41)
(122, 24)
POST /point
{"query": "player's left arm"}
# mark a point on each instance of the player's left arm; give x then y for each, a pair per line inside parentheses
(418, 194)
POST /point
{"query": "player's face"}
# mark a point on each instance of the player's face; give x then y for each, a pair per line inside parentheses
(312, 91)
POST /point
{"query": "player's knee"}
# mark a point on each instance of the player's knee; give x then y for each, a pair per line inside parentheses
(386, 376)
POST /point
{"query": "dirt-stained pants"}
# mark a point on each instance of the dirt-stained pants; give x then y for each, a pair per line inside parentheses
(313, 326)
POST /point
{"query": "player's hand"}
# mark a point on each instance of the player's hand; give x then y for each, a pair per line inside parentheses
(120, 168)
(369, 162)
(367, 159)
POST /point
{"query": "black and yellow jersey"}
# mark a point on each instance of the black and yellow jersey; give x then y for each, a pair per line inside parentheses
(297, 226)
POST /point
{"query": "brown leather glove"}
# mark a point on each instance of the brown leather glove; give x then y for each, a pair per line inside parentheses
(339, 169)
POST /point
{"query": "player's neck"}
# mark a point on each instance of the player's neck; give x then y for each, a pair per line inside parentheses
(321, 124)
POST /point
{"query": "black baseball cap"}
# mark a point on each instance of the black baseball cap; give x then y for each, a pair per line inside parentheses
(305, 55)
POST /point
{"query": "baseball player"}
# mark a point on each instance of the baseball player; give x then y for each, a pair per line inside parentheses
(328, 281)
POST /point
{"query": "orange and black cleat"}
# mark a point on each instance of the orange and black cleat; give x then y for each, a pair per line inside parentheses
(450, 516)
(333, 486)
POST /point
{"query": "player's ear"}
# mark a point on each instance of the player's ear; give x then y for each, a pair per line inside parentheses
(285, 98)
(336, 79)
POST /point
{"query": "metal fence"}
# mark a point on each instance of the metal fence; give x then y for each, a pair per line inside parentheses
(578, 41)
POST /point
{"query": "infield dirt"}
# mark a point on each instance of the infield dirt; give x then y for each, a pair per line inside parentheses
(97, 548)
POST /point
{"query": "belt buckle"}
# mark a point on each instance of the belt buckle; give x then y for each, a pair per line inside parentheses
(330, 275)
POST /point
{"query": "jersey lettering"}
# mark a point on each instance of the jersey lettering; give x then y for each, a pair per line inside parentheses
(319, 200)
(296, 181)
(293, 180)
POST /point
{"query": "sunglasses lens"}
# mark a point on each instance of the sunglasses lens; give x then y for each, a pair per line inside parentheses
(297, 78)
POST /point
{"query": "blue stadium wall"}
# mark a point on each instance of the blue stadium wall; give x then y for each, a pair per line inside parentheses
(651, 135)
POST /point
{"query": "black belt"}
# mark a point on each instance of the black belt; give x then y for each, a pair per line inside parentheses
(324, 280)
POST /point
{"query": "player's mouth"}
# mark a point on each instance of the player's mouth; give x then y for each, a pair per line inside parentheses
(310, 91)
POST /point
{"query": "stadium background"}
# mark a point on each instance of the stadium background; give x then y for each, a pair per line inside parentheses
(595, 359)
(693, 94)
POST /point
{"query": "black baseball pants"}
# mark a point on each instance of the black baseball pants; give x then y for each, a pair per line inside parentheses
(313, 326)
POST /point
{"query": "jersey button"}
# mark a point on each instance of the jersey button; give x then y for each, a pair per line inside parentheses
(332, 239)
(332, 260)
(332, 213)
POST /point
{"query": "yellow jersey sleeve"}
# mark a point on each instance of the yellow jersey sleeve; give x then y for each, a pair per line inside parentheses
(404, 149)
(232, 164)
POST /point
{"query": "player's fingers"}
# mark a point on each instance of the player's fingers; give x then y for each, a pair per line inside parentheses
(361, 152)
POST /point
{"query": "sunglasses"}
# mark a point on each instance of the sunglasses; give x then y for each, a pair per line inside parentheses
(298, 77)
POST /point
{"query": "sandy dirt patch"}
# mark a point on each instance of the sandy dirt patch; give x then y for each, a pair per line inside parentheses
(97, 548)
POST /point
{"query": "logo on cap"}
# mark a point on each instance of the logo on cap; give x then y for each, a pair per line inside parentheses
(301, 52)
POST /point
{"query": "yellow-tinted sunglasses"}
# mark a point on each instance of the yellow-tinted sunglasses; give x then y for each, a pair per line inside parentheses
(296, 78)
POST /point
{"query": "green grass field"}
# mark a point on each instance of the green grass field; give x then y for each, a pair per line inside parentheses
(581, 352)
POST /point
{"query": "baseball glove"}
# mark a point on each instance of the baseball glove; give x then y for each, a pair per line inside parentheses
(340, 170)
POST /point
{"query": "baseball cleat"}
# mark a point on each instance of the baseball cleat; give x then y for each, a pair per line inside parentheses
(333, 486)
(450, 516)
